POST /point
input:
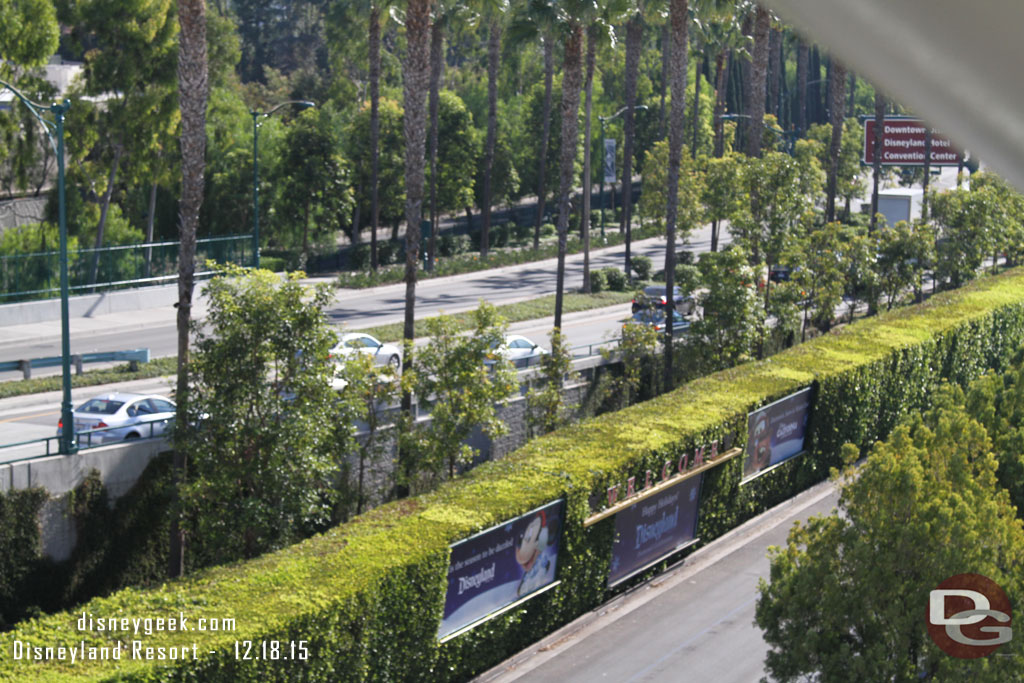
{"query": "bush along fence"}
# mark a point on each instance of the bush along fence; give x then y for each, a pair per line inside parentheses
(365, 600)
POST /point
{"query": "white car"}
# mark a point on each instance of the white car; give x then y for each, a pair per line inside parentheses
(122, 417)
(357, 342)
(518, 349)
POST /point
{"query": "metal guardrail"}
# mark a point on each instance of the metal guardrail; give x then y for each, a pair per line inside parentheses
(87, 442)
(133, 356)
(25, 277)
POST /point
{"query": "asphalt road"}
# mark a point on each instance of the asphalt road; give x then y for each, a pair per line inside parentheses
(693, 623)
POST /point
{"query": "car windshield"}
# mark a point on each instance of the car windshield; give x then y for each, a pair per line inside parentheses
(100, 406)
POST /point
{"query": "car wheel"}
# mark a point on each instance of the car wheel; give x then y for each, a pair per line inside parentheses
(636, 307)
(395, 363)
(131, 437)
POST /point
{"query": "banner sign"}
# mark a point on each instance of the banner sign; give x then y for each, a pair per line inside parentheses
(776, 432)
(609, 160)
(903, 144)
(502, 566)
(654, 528)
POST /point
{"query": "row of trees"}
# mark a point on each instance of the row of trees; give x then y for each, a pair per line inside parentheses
(848, 593)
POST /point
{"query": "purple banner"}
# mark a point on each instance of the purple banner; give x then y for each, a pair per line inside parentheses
(654, 528)
(776, 432)
(500, 566)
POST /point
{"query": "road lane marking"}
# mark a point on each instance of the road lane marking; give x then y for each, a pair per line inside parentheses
(29, 417)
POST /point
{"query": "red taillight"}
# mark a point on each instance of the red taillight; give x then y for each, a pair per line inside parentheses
(60, 424)
(664, 300)
(101, 425)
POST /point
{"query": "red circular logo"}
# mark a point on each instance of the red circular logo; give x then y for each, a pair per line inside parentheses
(969, 616)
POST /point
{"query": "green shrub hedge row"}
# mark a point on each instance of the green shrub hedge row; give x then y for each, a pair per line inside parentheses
(367, 596)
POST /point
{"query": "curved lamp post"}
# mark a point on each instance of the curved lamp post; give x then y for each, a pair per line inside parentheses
(55, 132)
(256, 116)
(603, 120)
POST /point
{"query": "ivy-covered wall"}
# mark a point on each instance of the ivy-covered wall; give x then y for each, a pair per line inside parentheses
(366, 597)
(124, 544)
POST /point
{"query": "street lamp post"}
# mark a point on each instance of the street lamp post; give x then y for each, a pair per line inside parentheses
(256, 116)
(68, 444)
(603, 120)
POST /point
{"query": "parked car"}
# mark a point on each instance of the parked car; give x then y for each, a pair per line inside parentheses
(655, 317)
(358, 342)
(128, 416)
(518, 349)
(654, 295)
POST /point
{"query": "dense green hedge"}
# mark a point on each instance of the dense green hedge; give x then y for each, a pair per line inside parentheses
(368, 595)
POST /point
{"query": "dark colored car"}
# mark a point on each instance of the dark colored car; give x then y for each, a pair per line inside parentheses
(654, 296)
(655, 317)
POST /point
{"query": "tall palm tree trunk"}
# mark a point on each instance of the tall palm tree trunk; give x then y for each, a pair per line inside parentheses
(758, 78)
(493, 56)
(549, 71)
(192, 95)
(374, 49)
(678, 20)
(775, 74)
(721, 83)
(416, 73)
(585, 211)
(801, 88)
(836, 115)
(571, 82)
(436, 63)
(876, 175)
(695, 117)
(634, 38)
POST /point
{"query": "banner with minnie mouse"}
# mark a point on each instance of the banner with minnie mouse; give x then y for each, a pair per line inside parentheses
(492, 571)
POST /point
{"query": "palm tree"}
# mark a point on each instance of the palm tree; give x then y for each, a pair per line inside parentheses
(415, 76)
(838, 77)
(192, 94)
(678, 19)
(493, 12)
(634, 41)
(599, 31)
(345, 20)
(720, 35)
(758, 79)
(880, 107)
(539, 19)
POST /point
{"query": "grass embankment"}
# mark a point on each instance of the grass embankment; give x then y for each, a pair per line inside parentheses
(157, 367)
(532, 309)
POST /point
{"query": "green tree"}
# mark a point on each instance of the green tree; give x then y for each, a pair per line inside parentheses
(731, 313)
(546, 409)
(692, 187)
(390, 162)
(451, 377)
(457, 154)
(29, 34)
(904, 252)
(258, 424)
(847, 596)
(824, 262)
(849, 182)
(968, 232)
(636, 350)
(314, 182)
(368, 391)
(720, 191)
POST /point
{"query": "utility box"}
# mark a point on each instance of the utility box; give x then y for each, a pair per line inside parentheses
(900, 204)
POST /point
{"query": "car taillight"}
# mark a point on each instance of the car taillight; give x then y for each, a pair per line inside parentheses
(60, 424)
(101, 425)
(664, 300)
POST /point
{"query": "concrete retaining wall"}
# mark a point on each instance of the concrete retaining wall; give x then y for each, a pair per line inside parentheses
(119, 467)
(89, 305)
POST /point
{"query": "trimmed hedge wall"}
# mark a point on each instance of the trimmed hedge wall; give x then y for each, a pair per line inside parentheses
(368, 595)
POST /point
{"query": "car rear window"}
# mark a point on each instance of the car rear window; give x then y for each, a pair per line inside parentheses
(100, 406)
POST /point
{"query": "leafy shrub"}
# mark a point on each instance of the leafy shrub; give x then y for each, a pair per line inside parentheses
(598, 281)
(523, 232)
(641, 265)
(390, 252)
(615, 278)
(548, 230)
(359, 257)
(451, 245)
(272, 263)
